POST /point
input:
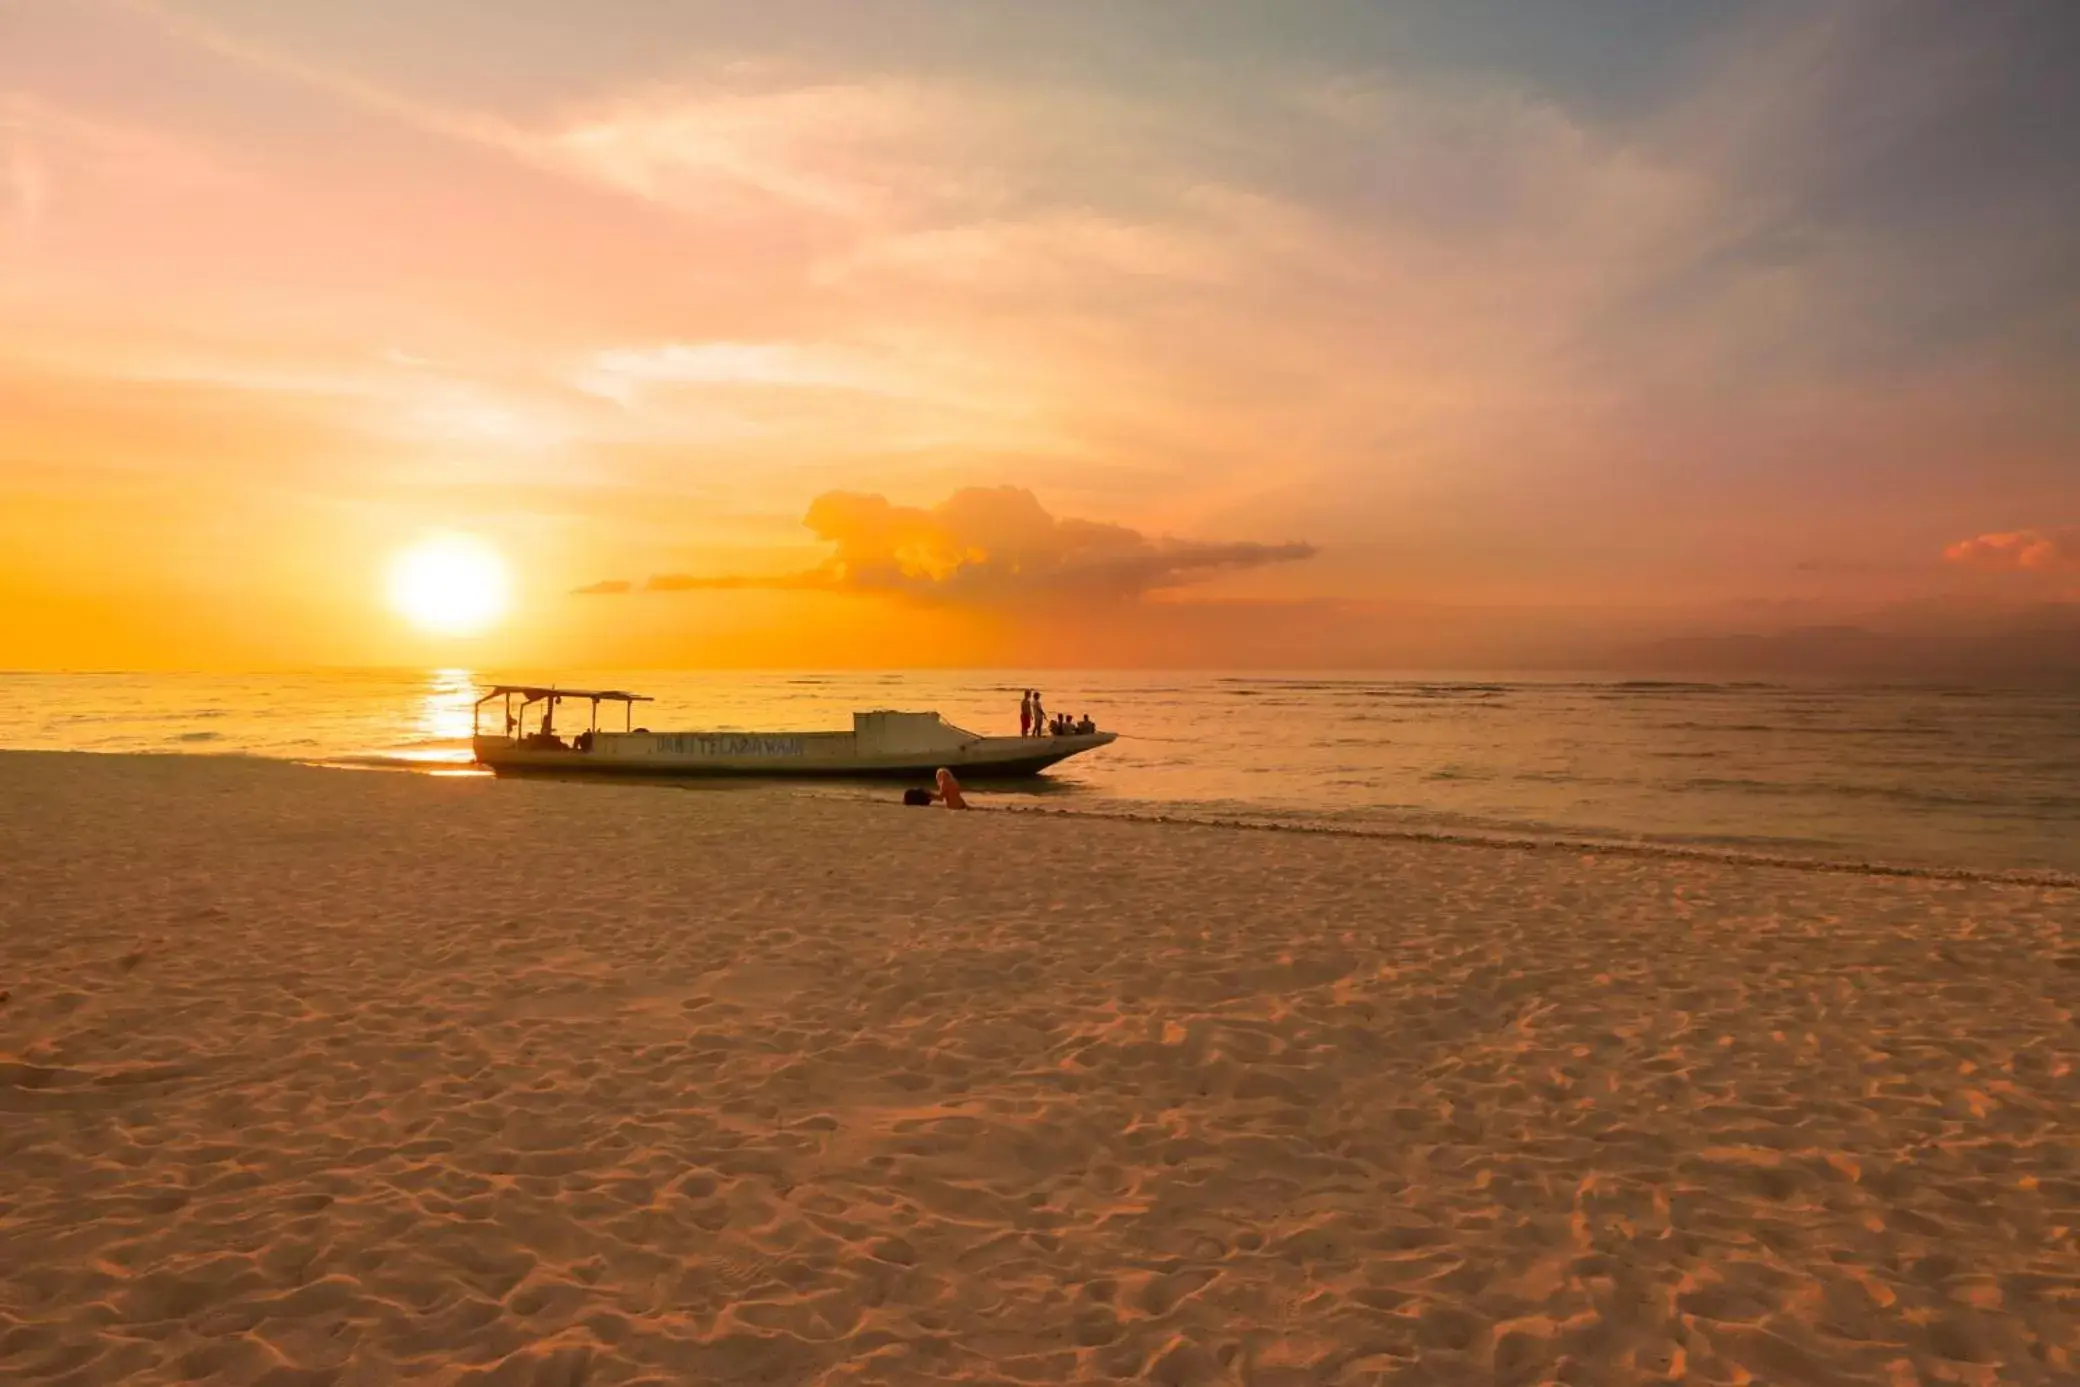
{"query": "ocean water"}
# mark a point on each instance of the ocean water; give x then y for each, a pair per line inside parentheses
(1938, 777)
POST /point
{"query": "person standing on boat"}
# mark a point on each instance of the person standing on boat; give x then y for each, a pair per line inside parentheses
(1039, 715)
(1025, 713)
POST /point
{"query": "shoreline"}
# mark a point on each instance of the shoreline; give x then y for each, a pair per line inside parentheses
(1570, 845)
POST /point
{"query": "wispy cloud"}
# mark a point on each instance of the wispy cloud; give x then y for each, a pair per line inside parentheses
(827, 148)
(1039, 253)
(347, 87)
(622, 372)
(740, 135)
(40, 142)
(24, 182)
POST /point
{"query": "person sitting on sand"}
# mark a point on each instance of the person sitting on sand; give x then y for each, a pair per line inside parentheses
(948, 791)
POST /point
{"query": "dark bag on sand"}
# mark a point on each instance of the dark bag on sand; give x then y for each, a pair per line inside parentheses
(917, 796)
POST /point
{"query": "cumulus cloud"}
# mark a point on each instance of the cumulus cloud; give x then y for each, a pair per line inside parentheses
(2055, 550)
(987, 544)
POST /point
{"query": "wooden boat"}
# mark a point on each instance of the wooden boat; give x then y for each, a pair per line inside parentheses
(881, 743)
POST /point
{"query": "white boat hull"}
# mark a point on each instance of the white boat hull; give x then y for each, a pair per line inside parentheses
(912, 745)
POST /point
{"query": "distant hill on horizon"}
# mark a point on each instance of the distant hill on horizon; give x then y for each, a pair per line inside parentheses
(2037, 647)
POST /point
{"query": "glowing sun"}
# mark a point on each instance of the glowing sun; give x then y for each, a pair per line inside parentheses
(450, 585)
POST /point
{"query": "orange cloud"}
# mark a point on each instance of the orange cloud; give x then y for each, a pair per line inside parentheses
(2056, 550)
(981, 545)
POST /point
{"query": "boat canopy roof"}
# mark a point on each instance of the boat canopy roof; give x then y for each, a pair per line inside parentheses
(534, 692)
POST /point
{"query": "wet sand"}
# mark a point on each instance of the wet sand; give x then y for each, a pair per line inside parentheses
(314, 1076)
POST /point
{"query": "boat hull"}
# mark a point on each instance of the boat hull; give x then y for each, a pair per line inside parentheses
(782, 755)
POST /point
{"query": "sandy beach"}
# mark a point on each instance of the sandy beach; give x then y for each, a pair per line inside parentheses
(313, 1076)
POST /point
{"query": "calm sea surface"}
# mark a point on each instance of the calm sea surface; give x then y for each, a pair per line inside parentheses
(1944, 777)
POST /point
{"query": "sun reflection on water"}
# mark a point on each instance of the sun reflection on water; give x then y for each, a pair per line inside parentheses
(441, 723)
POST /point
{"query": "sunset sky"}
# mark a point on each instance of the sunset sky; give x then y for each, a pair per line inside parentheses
(838, 332)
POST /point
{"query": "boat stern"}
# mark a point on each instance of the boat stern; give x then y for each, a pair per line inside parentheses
(489, 751)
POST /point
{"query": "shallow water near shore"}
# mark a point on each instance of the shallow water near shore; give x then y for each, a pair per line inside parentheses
(1944, 777)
